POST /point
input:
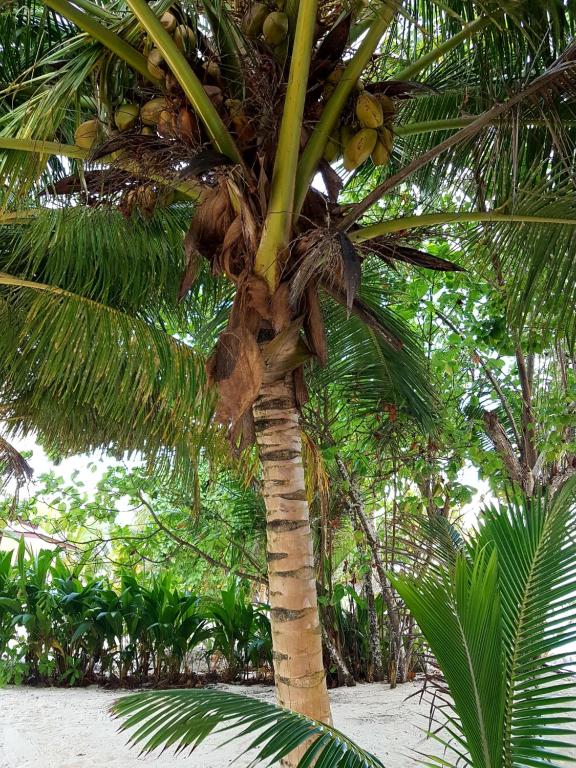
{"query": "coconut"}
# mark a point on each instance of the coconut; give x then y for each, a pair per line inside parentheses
(275, 28)
(369, 111)
(359, 148)
(380, 154)
(185, 38)
(155, 62)
(151, 110)
(254, 20)
(126, 116)
(168, 21)
(88, 133)
(165, 125)
(212, 69)
(388, 108)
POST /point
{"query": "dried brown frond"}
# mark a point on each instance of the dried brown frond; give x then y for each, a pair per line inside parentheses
(325, 255)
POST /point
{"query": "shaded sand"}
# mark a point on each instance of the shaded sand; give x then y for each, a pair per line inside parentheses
(59, 728)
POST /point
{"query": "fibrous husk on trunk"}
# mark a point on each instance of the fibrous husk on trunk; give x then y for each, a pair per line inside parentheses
(285, 352)
(314, 326)
(236, 365)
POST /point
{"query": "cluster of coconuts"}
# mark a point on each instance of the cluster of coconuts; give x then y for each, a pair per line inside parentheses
(155, 115)
(370, 136)
(184, 37)
(262, 20)
(152, 117)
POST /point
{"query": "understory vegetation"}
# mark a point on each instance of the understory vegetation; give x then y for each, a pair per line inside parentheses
(58, 626)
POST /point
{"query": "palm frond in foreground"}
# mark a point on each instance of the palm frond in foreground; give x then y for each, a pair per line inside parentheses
(499, 618)
(181, 719)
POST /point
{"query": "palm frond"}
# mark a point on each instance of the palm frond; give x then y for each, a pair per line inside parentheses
(182, 719)
(13, 466)
(365, 366)
(90, 376)
(134, 265)
(499, 618)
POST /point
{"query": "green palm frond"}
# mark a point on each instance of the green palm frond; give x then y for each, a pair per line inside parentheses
(134, 265)
(499, 618)
(90, 376)
(181, 719)
(365, 368)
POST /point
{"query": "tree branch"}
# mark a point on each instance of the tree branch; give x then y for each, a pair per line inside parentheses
(489, 375)
(209, 559)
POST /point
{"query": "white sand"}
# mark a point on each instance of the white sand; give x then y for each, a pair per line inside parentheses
(59, 728)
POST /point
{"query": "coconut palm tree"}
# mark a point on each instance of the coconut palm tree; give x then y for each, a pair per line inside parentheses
(129, 129)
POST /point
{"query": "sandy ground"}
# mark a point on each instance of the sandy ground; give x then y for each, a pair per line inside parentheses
(58, 728)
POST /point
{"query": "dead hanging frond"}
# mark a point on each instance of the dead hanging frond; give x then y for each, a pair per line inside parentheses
(329, 257)
(13, 466)
(237, 367)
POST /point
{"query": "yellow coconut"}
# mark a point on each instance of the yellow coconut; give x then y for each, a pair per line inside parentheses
(369, 111)
(148, 131)
(359, 148)
(380, 154)
(126, 116)
(275, 28)
(388, 108)
(88, 133)
(386, 137)
(151, 110)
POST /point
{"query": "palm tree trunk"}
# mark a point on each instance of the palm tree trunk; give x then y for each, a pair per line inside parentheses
(296, 633)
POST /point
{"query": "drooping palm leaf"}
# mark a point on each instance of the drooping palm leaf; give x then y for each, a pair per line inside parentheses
(181, 719)
(13, 466)
(91, 376)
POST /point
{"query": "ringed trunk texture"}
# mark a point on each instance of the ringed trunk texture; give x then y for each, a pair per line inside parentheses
(296, 631)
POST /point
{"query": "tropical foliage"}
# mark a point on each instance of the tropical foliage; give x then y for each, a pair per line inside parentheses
(210, 219)
(497, 611)
(61, 626)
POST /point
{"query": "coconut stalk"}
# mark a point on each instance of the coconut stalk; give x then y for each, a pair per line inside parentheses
(317, 142)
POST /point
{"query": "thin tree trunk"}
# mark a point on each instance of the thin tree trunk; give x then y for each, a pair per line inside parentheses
(296, 632)
(376, 673)
(395, 627)
(345, 677)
